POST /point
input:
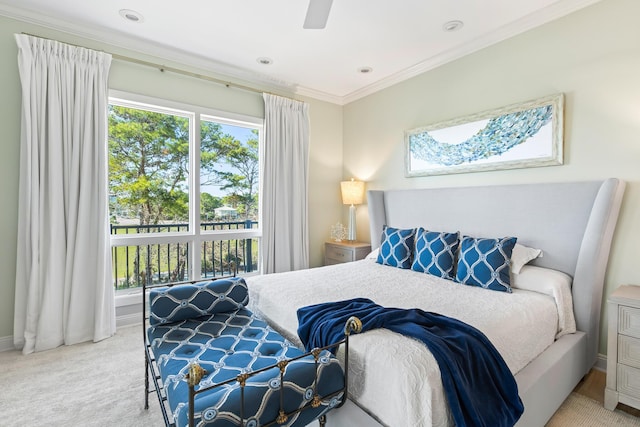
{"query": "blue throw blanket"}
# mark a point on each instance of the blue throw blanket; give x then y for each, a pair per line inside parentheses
(480, 389)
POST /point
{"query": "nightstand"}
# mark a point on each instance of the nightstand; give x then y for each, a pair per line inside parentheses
(345, 251)
(623, 348)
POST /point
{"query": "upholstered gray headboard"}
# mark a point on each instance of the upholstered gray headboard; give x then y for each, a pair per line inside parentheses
(573, 223)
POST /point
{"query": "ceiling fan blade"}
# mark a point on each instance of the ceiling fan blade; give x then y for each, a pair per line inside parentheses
(317, 14)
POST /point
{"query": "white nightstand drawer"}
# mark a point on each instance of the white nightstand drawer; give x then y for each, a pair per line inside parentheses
(629, 351)
(629, 321)
(623, 348)
(628, 380)
(339, 254)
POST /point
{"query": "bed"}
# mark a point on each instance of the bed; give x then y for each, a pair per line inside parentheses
(394, 380)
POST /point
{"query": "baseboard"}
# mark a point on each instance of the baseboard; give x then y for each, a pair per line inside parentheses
(6, 343)
(128, 320)
(601, 363)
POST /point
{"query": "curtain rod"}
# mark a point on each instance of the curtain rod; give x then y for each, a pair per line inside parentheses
(163, 68)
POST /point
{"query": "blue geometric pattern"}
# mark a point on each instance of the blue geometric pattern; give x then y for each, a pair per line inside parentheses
(228, 344)
(435, 253)
(396, 248)
(187, 301)
(486, 263)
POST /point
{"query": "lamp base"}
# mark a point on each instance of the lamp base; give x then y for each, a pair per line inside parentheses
(352, 223)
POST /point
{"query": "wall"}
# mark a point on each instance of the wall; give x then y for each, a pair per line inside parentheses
(325, 158)
(593, 56)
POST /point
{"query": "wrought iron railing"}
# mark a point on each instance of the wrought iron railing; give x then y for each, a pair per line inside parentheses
(169, 262)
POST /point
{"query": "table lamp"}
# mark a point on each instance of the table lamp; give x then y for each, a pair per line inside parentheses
(352, 194)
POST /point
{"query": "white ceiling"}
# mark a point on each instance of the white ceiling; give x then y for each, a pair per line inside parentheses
(398, 39)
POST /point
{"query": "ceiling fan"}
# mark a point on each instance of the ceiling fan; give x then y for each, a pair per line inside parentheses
(317, 14)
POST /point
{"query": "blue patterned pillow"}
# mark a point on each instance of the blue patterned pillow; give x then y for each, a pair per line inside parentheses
(435, 253)
(396, 247)
(486, 263)
(187, 301)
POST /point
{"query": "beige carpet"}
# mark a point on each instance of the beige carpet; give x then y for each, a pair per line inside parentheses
(102, 384)
(87, 384)
(579, 410)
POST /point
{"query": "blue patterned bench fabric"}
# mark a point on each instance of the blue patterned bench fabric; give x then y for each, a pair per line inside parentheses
(186, 301)
(230, 343)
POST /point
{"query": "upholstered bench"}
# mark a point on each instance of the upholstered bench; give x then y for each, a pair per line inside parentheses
(241, 371)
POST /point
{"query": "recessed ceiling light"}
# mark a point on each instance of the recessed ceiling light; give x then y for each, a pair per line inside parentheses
(264, 60)
(131, 15)
(365, 70)
(452, 26)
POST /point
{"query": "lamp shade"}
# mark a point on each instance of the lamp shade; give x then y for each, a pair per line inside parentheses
(352, 192)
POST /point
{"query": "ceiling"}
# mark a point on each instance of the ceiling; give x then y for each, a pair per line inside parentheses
(395, 39)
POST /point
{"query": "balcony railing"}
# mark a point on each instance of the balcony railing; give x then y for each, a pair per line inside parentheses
(169, 262)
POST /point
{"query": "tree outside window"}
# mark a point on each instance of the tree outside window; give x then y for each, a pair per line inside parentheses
(150, 173)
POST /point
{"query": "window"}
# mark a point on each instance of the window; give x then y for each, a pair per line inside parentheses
(183, 203)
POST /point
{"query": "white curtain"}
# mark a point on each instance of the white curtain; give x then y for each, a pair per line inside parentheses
(63, 292)
(285, 236)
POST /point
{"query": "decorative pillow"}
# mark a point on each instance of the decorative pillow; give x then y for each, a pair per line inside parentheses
(187, 301)
(396, 247)
(435, 253)
(486, 263)
(522, 255)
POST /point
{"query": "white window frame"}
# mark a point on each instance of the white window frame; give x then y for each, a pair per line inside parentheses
(195, 236)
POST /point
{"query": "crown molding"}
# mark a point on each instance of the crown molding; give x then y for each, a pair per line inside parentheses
(148, 49)
(319, 95)
(262, 82)
(531, 21)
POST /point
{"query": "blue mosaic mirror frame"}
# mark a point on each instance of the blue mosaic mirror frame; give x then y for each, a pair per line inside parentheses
(523, 135)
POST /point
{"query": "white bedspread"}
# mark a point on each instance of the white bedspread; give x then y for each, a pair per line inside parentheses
(395, 378)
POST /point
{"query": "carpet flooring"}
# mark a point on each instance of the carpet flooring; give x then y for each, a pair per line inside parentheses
(579, 410)
(102, 384)
(89, 384)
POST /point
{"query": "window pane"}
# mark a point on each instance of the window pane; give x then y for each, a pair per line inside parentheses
(226, 257)
(153, 263)
(148, 169)
(229, 169)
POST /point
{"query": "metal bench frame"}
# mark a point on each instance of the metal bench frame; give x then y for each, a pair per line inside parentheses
(353, 325)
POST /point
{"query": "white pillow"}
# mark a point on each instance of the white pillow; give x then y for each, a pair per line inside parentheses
(521, 255)
(540, 279)
(550, 282)
(373, 254)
